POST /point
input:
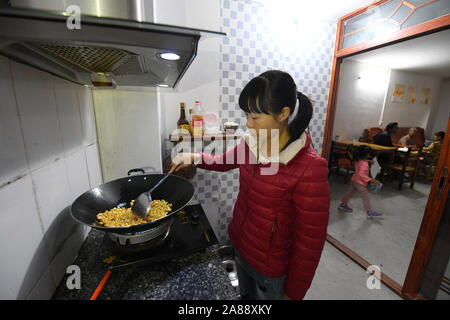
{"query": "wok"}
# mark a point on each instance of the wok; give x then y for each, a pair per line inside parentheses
(175, 190)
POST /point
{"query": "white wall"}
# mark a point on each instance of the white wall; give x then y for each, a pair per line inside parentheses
(439, 118)
(362, 89)
(48, 157)
(365, 100)
(128, 131)
(416, 114)
(201, 80)
(207, 94)
(198, 14)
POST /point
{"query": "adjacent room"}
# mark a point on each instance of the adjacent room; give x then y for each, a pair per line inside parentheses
(407, 83)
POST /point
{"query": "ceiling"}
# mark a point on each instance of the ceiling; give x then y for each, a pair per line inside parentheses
(425, 55)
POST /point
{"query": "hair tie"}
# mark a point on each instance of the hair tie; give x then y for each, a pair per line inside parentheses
(296, 108)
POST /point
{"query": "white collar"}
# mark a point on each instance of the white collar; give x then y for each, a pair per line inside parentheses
(284, 157)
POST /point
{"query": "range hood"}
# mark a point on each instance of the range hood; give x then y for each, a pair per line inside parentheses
(123, 48)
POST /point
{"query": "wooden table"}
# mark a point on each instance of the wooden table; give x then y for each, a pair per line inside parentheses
(375, 147)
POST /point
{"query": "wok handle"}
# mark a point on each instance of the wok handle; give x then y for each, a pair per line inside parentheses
(135, 170)
(143, 170)
(159, 182)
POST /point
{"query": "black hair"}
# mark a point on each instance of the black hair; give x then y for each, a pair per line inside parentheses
(440, 134)
(270, 92)
(361, 152)
(391, 125)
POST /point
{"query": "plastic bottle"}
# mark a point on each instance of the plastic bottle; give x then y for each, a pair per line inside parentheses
(197, 120)
(190, 119)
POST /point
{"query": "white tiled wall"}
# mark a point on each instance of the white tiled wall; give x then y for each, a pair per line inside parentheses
(12, 163)
(77, 173)
(51, 188)
(18, 206)
(36, 105)
(258, 38)
(261, 37)
(48, 157)
(69, 120)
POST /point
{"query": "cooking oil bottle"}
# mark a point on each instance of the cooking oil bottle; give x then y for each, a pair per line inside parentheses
(197, 120)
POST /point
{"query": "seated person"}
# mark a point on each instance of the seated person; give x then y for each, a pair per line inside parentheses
(407, 141)
(434, 149)
(384, 139)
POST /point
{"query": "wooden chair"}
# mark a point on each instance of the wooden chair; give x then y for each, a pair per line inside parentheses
(369, 133)
(405, 171)
(341, 158)
(429, 167)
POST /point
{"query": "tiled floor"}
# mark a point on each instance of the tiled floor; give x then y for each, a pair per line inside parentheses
(339, 278)
(387, 241)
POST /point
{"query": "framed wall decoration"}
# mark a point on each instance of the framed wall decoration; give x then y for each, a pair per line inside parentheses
(399, 92)
(411, 96)
(425, 96)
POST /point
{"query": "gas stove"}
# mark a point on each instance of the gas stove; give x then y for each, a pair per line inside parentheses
(149, 237)
(188, 231)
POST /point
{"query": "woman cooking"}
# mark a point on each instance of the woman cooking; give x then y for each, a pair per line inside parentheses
(280, 218)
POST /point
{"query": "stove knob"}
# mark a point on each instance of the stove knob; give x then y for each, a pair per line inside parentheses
(195, 217)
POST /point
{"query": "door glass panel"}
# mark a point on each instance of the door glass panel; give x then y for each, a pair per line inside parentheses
(431, 11)
(380, 21)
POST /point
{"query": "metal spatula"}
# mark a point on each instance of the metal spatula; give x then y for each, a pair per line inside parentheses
(143, 203)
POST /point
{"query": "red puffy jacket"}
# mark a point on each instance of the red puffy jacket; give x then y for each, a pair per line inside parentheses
(279, 221)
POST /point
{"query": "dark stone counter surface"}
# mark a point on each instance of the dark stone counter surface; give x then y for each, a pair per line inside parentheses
(198, 276)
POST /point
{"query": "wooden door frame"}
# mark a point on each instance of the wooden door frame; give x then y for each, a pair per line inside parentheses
(430, 221)
(434, 208)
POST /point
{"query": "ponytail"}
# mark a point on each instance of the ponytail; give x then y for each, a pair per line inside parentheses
(270, 92)
(304, 114)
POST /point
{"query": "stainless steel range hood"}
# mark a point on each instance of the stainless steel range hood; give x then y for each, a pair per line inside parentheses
(122, 48)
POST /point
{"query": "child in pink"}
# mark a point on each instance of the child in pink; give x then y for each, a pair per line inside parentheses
(359, 181)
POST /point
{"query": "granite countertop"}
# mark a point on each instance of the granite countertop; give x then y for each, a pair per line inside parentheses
(198, 276)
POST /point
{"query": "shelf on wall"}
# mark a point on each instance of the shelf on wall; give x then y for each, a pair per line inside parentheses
(212, 137)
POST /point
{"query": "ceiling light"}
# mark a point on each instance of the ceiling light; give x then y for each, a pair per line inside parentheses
(169, 56)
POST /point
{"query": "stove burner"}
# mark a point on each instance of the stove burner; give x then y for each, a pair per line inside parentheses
(130, 239)
(188, 231)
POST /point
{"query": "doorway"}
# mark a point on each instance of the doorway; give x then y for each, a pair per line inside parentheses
(365, 100)
(395, 242)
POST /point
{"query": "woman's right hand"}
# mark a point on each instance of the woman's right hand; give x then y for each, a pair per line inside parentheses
(374, 181)
(184, 160)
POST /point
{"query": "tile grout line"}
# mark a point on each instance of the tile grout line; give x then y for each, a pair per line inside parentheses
(29, 172)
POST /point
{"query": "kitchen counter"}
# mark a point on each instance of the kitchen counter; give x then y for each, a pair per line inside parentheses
(197, 276)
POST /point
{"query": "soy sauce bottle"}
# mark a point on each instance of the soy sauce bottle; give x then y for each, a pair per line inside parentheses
(183, 123)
